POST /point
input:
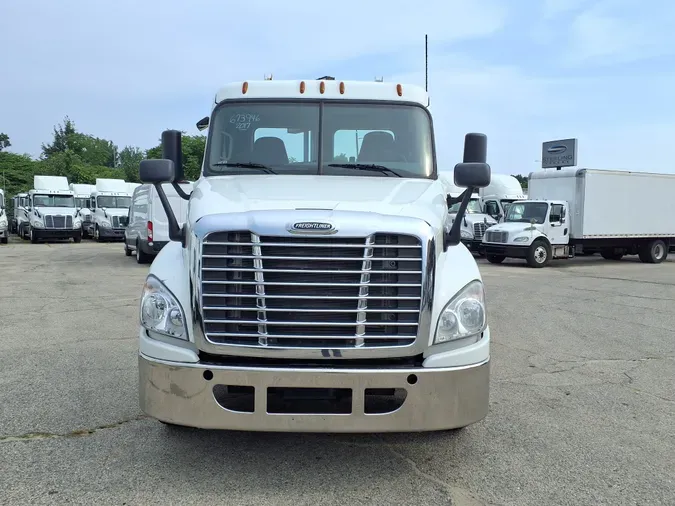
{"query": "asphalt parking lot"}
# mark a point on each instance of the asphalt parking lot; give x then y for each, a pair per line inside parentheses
(582, 402)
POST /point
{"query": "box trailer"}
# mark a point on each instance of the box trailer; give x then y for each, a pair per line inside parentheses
(570, 211)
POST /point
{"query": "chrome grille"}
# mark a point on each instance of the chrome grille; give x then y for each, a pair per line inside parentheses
(119, 221)
(87, 218)
(299, 292)
(494, 236)
(479, 229)
(58, 222)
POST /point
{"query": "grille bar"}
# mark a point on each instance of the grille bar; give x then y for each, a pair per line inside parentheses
(299, 292)
(58, 222)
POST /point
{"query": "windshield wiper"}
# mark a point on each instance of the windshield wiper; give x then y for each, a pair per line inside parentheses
(245, 165)
(365, 166)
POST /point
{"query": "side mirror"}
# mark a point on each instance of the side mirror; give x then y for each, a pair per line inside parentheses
(203, 123)
(172, 149)
(157, 171)
(472, 175)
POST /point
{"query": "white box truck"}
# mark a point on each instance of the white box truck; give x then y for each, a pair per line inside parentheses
(309, 293)
(51, 210)
(148, 229)
(502, 191)
(573, 209)
(4, 219)
(83, 205)
(110, 209)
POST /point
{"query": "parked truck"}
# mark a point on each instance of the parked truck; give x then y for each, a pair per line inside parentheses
(572, 210)
(474, 222)
(4, 221)
(83, 205)
(19, 223)
(51, 210)
(502, 191)
(110, 209)
(308, 293)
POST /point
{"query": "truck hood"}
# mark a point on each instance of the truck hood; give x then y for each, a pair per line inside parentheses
(116, 212)
(419, 198)
(515, 227)
(480, 218)
(63, 211)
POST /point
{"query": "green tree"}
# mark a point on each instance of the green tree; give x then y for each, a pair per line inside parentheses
(193, 154)
(522, 180)
(4, 141)
(130, 159)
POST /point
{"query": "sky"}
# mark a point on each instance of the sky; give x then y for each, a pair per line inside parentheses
(520, 71)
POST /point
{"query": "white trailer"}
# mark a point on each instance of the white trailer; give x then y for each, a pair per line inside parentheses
(4, 219)
(309, 293)
(51, 210)
(502, 191)
(474, 222)
(110, 209)
(572, 210)
(82, 194)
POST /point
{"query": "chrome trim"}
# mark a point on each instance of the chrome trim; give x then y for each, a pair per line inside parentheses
(351, 224)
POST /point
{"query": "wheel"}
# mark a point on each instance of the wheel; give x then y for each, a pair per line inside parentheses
(4, 240)
(33, 236)
(77, 239)
(127, 251)
(611, 254)
(539, 254)
(141, 257)
(654, 252)
(495, 259)
(97, 235)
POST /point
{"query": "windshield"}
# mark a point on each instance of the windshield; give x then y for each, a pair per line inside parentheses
(285, 138)
(528, 211)
(472, 208)
(53, 201)
(109, 201)
(82, 202)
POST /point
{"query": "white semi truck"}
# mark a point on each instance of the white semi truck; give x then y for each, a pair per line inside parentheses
(20, 222)
(474, 222)
(572, 210)
(4, 219)
(82, 194)
(110, 209)
(305, 293)
(502, 191)
(51, 210)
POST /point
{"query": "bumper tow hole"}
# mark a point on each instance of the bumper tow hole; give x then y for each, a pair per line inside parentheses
(208, 375)
(412, 379)
(235, 398)
(379, 401)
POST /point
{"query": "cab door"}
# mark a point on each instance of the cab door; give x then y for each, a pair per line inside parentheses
(558, 225)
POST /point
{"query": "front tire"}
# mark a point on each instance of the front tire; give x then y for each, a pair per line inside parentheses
(127, 251)
(539, 254)
(97, 234)
(141, 256)
(77, 239)
(495, 259)
(33, 236)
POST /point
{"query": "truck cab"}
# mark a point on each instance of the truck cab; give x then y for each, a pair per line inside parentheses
(316, 284)
(536, 230)
(51, 210)
(19, 223)
(110, 203)
(83, 205)
(4, 221)
(502, 191)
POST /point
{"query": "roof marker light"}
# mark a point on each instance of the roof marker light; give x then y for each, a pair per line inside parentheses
(342, 88)
(302, 86)
(322, 87)
(399, 90)
(244, 87)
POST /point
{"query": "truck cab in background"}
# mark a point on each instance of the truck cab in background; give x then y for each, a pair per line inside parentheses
(110, 203)
(19, 222)
(51, 210)
(4, 219)
(82, 194)
(474, 222)
(502, 191)
(305, 292)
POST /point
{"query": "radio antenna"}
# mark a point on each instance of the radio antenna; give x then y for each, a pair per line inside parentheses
(426, 62)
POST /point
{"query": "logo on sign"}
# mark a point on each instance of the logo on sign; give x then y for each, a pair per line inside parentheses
(556, 150)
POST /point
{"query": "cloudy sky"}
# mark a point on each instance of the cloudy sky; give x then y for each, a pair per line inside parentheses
(521, 71)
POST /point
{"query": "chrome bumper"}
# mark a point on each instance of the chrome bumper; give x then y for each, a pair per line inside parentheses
(436, 398)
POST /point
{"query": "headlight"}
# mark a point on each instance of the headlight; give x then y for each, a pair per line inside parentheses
(105, 223)
(464, 315)
(77, 224)
(465, 234)
(3, 222)
(37, 224)
(522, 238)
(160, 311)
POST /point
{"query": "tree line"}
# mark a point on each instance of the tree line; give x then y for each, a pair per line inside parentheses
(83, 157)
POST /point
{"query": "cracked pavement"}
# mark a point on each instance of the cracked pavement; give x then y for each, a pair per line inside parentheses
(582, 401)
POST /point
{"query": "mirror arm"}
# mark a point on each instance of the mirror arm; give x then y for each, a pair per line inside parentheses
(180, 192)
(175, 233)
(453, 237)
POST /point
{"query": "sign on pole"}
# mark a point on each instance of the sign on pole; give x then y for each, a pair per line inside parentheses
(558, 154)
